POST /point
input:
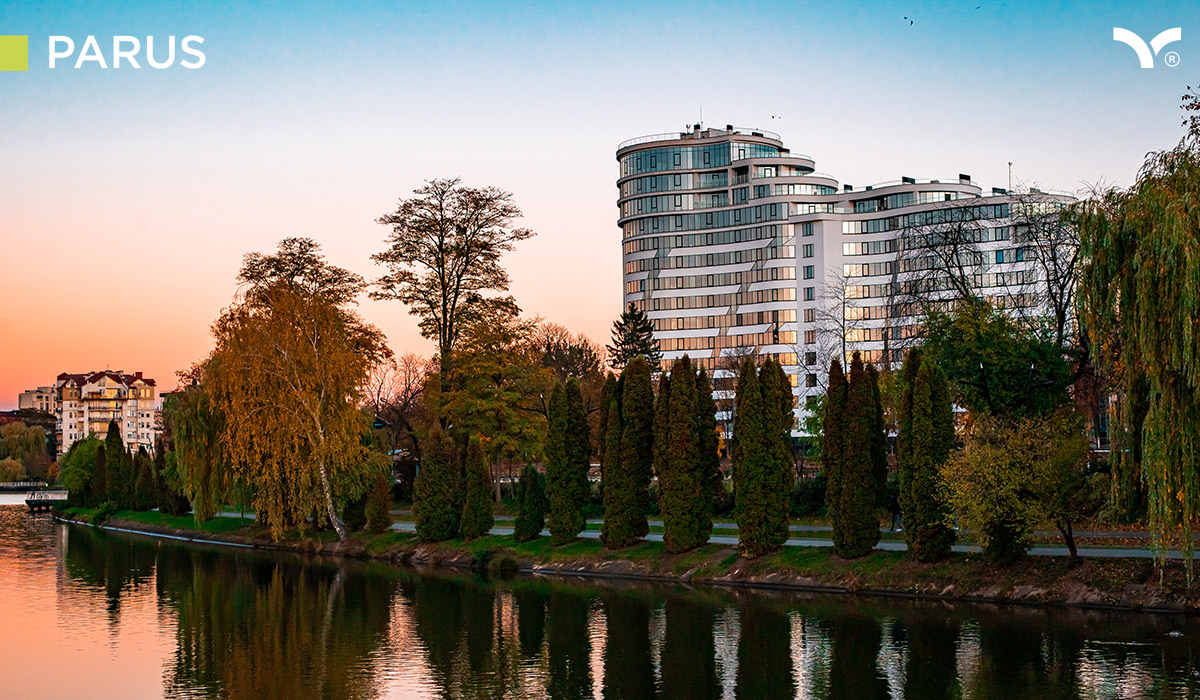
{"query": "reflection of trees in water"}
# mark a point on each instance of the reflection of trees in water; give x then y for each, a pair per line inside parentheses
(628, 663)
(112, 564)
(262, 627)
(568, 646)
(689, 663)
(764, 654)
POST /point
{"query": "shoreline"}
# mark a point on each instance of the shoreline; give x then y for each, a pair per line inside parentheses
(1116, 585)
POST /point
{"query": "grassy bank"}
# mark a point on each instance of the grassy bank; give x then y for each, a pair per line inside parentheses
(1116, 583)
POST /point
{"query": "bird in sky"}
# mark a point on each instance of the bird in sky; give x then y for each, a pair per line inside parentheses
(909, 21)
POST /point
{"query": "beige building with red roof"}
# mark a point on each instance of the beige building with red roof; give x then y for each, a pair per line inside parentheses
(85, 403)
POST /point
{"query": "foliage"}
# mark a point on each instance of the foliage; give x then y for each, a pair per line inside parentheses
(379, 501)
(1015, 473)
(995, 363)
(436, 504)
(354, 514)
(685, 496)
(710, 456)
(927, 440)
(566, 354)
(607, 393)
(99, 482)
(11, 470)
(833, 446)
(288, 372)
(1140, 291)
(531, 501)
(856, 506)
(808, 496)
(632, 336)
(878, 439)
(26, 444)
(145, 488)
(762, 470)
(567, 462)
(476, 517)
(629, 456)
(443, 256)
(118, 465)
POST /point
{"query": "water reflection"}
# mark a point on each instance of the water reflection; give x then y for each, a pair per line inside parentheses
(236, 623)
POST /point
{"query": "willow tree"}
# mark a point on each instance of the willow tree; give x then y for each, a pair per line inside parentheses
(288, 371)
(196, 425)
(1140, 292)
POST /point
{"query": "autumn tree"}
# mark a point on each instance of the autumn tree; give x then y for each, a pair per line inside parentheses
(443, 258)
(633, 335)
(567, 463)
(288, 373)
(195, 425)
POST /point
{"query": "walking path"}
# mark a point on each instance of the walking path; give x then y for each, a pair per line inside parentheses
(1099, 552)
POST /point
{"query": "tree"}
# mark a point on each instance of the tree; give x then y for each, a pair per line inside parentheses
(531, 501)
(567, 462)
(443, 257)
(878, 438)
(709, 448)
(378, 502)
(99, 487)
(288, 373)
(633, 335)
(779, 476)
(195, 425)
(629, 456)
(750, 455)
(436, 504)
(567, 354)
(855, 512)
(477, 506)
(1016, 472)
(607, 393)
(145, 495)
(1140, 294)
(833, 446)
(927, 440)
(11, 470)
(396, 393)
(684, 495)
(77, 469)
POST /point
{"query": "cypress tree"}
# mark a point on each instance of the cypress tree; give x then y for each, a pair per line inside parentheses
(662, 429)
(682, 487)
(144, 496)
(930, 439)
(99, 478)
(879, 462)
(567, 462)
(606, 397)
(780, 477)
(436, 488)
(710, 457)
(379, 500)
(476, 517)
(531, 499)
(750, 470)
(833, 446)
(630, 454)
(908, 379)
(859, 524)
(633, 336)
(120, 485)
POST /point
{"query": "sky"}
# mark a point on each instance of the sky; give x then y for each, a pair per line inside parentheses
(129, 196)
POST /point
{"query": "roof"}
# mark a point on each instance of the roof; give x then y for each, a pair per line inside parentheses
(91, 377)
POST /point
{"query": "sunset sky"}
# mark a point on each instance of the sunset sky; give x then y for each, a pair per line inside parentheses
(128, 197)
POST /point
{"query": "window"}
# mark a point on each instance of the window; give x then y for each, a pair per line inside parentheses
(678, 200)
(808, 294)
(808, 272)
(678, 178)
(810, 358)
(677, 163)
(810, 337)
(808, 250)
(810, 315)
(807, 229)
(810, 380)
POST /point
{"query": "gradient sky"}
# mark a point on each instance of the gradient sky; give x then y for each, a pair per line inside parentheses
(128, 197)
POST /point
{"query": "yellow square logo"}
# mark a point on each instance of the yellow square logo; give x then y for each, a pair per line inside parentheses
(14, 53)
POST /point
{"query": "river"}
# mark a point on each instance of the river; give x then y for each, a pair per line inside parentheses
(90, 614)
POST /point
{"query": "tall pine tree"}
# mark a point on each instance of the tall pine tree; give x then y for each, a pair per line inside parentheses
(633, 335)
(833, 446)
(567, 460)
(856, 512)
(683, 490)
(629, 452)
(927, 434)
(879, 460)
(780, 476)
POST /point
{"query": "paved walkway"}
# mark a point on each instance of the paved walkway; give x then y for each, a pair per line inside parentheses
(1099, 552)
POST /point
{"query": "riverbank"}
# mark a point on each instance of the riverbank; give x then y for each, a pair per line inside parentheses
(1119, 584)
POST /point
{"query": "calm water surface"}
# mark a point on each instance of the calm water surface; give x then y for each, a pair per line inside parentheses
(94, 615)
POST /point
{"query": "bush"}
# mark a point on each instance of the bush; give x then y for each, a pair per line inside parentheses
(354, 515)
(531, 505)
(104, 512)
(808, 496)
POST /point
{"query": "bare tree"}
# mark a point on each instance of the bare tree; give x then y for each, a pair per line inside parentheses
(396, 393)
(1042, 226)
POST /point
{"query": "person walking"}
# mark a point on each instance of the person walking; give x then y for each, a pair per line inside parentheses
(897, 515)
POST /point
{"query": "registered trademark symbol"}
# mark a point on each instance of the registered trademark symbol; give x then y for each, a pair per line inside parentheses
(1171, 59)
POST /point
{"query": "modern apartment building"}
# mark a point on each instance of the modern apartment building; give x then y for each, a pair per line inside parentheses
(85, 403)
(39, 399)
(733, 244)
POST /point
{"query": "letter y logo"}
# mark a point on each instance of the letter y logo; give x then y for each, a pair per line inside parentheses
(1145, 58)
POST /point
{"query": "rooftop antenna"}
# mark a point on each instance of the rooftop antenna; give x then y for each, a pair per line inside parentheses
(1010, 176)
(701, 116)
